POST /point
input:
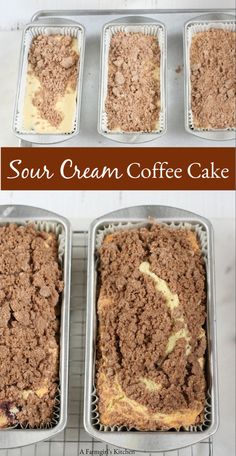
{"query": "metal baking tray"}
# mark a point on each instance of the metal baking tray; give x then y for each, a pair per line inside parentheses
(204, 21)
(93, 21)
(66, 27)
(137, 440)
(15, 437)
(132, 24)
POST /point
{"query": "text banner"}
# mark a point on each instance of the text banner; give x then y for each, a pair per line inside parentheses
(118, 168)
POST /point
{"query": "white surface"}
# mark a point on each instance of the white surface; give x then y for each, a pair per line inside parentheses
(16, 13)
(86, 205)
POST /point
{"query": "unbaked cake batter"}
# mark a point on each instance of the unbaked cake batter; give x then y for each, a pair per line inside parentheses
(50, 95)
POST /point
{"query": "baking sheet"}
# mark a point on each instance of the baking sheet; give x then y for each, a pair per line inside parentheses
(174, 21)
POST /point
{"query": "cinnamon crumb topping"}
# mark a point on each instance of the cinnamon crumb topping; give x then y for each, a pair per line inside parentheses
(30, 288)
(151, 342)
(213, 79)
(133, 100)
(55, 63)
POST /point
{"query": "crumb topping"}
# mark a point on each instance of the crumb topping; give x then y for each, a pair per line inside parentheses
(55, 63)
(213, 79)
(133, 100)
(151, 312)
(30, 288)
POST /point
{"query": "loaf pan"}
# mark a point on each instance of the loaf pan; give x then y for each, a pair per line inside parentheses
(148, 27)
(155, 440)
(67, 28)
(45, 220)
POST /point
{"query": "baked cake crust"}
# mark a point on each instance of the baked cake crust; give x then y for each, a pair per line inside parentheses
(151, 342)
(30, 288)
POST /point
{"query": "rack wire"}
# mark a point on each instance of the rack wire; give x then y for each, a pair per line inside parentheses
(74, 441)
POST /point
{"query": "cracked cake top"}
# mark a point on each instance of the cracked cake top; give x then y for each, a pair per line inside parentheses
(30, 288)
(151, 341)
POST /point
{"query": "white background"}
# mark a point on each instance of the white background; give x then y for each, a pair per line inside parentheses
(81, 207)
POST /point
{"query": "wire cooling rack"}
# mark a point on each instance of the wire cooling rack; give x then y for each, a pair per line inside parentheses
(74, 441)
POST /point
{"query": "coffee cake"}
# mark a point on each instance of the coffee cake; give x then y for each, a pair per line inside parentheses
(30, 289)
(151, 339)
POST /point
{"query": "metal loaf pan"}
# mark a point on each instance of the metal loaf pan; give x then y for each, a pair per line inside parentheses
(54, 26)
(21, 215)
(202, 23)
(158, 440)
(132, 24)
